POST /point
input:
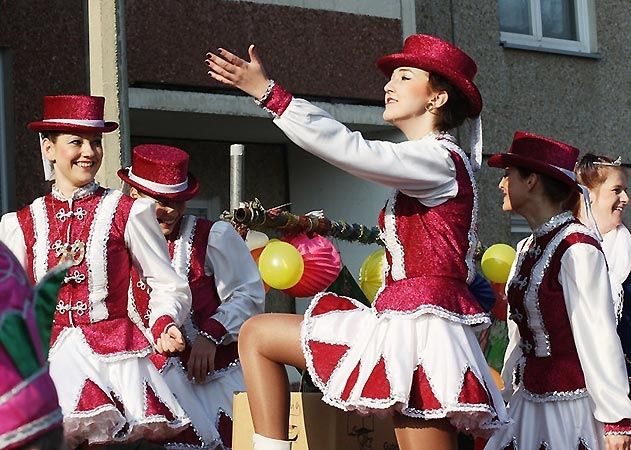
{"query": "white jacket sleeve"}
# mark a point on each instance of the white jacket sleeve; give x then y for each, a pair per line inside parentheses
(237, 279)
(587, 293)
(170, 294)
(11, 235)
(422, 169)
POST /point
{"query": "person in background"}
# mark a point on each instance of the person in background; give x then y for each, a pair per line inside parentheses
(226, 288)
(606, 181)
(564, 368)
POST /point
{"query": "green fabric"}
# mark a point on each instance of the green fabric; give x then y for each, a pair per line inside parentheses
(16, 341)
(346, 285)
(45, 300)
(497, 343)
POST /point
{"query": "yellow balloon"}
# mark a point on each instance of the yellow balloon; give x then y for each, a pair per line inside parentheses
(497, 261)
(371, 276)
(280, 264)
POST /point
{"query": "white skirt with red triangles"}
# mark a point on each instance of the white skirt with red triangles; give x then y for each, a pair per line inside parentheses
(111, 400)
(423, 366)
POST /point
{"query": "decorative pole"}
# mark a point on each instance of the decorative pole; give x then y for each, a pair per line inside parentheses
(236, 175)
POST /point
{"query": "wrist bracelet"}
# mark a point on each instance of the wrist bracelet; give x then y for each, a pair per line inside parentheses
(266, 94)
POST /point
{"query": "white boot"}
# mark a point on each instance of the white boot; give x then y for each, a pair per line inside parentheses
(265, 443)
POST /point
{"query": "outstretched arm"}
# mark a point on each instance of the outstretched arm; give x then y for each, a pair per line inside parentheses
(229, 69)
(423, 168)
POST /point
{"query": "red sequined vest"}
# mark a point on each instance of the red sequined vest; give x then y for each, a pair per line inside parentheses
(429, 252)
(94, 295)
(550, 368)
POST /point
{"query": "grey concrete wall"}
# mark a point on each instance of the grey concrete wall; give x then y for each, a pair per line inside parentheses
(582, 101)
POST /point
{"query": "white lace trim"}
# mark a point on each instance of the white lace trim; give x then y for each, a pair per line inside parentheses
(554, 396)
(96, 253)
(531, 298)
(30, 429)
(466, 319)
(391, 239)
(620, 433)
(181, 260)
(473, 229)
(42, 245)
(134, 314)
(176, 361)
(78, 193)
(552, 223)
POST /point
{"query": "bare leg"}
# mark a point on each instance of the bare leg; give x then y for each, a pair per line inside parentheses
(418, 434)
(266, 343)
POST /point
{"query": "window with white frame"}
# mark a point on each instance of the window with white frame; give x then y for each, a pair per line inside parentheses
(559, 26)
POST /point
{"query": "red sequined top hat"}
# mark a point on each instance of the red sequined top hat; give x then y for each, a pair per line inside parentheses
(434, 55)
(542, 155)
(73, 113)
(161, 171)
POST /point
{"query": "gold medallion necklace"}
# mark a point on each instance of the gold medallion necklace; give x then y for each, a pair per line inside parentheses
(67, 252)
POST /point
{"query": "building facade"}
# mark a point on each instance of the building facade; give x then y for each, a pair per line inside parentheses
(560, 72)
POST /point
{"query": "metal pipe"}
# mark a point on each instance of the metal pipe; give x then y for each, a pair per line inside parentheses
(236, 175)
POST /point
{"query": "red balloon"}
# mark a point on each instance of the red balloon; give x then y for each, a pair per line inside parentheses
(322, 265)
(500, 308)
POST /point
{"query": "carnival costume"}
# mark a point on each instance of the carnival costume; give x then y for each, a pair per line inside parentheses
(564, 369)
(414, 351)
(29, 407)
(226, 288)
(108, 388)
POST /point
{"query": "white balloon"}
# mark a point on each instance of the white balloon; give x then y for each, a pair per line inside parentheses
(256, 239)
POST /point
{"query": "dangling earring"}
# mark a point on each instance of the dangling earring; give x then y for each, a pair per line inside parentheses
(429, 107)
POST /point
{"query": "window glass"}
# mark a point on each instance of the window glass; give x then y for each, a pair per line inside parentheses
(558, 19)
(515, 16)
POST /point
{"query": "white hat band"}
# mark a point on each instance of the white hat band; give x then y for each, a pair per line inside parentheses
(85, 123)
(158, 187)
(569, 173)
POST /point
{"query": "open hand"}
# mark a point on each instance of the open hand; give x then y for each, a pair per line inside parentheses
(202, 359)
(229, 69)
(618, 442)
(170, 341)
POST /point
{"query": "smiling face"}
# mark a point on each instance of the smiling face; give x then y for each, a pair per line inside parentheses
(168, 213)
(406, 95)
(609, 199)
(76, 158)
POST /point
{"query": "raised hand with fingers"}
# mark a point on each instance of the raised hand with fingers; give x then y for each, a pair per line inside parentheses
(170, 341)
(227, 68)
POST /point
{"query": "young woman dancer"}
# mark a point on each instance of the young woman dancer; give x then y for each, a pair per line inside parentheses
(413, 353)
(606, 181)
(564, 369)
(109, 390)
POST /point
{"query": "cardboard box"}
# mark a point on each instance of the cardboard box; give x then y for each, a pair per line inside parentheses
(314, 425)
